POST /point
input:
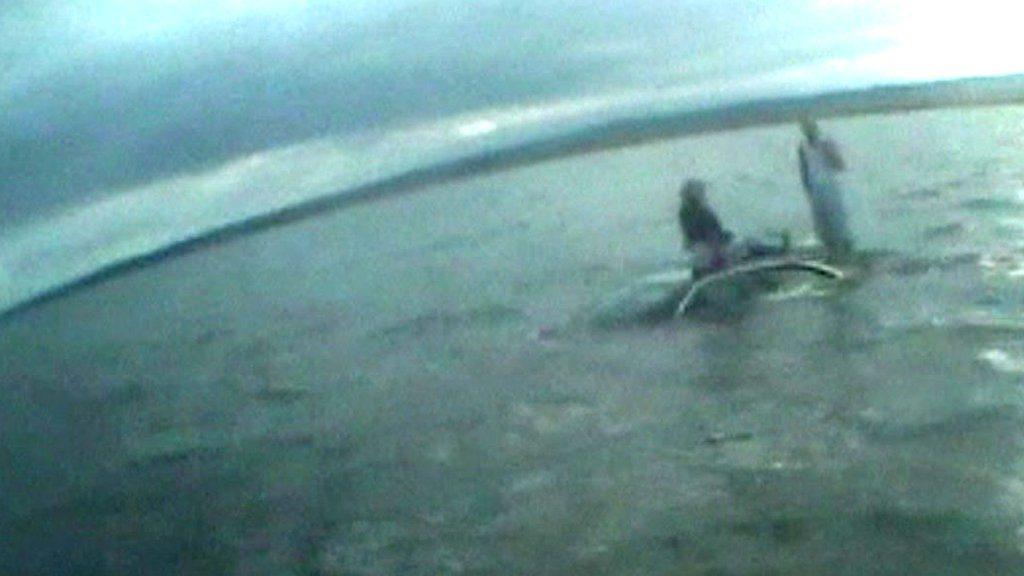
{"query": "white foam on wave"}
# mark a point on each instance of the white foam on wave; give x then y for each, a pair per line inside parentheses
(800, 291)
(1002, 360)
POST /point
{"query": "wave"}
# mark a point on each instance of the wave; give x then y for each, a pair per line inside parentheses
(590, 134)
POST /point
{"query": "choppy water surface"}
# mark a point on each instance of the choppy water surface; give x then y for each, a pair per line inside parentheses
(404, 388)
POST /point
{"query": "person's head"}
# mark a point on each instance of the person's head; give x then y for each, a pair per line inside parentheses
(810, 129)
(694, 191)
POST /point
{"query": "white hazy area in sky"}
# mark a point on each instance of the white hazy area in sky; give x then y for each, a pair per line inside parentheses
(721, 52)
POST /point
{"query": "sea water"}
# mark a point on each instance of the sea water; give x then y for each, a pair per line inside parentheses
(404, 388)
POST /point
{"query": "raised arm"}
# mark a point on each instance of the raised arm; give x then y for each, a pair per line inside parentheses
(804, 178)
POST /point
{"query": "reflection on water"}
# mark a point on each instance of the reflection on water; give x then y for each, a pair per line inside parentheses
(357, 395)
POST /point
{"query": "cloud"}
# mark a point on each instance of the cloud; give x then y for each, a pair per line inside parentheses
(106, 95)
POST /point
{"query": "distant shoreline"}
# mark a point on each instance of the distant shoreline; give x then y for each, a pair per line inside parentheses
(613, 134)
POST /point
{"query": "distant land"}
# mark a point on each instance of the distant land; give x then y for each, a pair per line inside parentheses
(626, 130)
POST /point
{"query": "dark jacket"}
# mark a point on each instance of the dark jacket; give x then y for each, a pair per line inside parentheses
(700, 224)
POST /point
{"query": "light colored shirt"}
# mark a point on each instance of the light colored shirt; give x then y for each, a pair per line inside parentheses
(820, 166)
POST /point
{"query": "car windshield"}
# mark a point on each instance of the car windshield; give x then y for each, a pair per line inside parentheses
(375, 287)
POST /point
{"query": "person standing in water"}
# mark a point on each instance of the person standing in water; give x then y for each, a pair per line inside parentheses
(820, 166)
(713, 247)
(703, 234)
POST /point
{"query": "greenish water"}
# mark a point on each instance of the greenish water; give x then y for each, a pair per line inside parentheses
(403, 388)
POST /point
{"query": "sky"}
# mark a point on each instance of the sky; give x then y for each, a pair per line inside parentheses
(99, 97)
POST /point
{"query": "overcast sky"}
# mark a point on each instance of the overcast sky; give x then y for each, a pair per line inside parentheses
(102, 95)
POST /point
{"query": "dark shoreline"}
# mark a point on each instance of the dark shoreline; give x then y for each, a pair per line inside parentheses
(613, 134)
